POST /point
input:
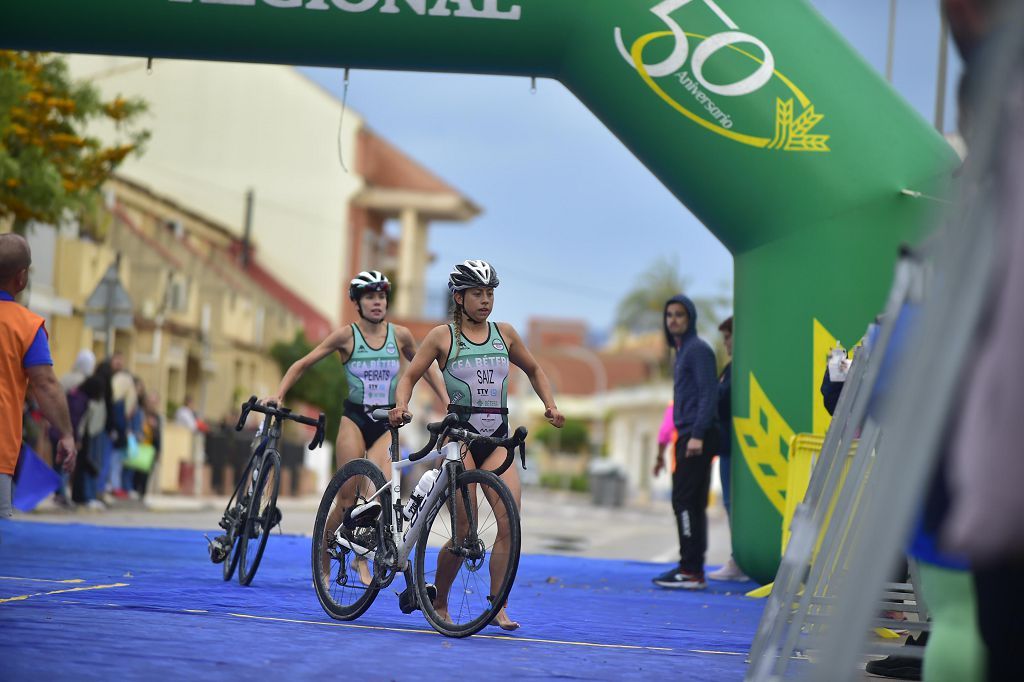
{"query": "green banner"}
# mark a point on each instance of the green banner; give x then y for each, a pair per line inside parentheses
(756, 115)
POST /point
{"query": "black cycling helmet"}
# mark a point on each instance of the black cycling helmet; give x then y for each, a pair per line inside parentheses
(366, 281)
(472, 274)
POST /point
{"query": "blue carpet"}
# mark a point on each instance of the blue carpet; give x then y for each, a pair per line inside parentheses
(150, 605)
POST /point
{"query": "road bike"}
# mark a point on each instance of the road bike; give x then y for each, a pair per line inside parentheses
(462, 524)
(251, 512)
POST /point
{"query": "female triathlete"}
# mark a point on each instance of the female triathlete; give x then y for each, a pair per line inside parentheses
(474, 355)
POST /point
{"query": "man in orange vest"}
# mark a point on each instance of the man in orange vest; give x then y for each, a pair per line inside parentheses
(24, 361)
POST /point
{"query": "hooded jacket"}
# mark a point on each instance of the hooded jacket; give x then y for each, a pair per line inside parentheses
(695, 381)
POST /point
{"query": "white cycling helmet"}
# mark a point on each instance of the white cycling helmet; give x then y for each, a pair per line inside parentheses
(471, 274)
(368, 280)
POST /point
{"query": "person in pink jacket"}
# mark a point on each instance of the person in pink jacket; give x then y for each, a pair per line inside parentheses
(667, 433)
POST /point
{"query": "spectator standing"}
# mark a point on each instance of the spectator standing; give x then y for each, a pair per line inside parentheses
(25, 362)
(666, 432)
(124, 403)
(148, 429)
(695, 393)
(730, 571)
(93, 438)
(186, 415)
(78, 402)
(986, 468)
(85, 365)
(103, 374)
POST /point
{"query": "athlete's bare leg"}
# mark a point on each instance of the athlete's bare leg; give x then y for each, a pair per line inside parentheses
(379, 454)
(347, 447)
(448, 564)
(499, 554)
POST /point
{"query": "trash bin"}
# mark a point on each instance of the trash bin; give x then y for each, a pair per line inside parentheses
(607, 483)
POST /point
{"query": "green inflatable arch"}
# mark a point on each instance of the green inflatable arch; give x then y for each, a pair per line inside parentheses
(756, 115)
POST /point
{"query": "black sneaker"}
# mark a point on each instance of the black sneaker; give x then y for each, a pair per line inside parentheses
(897, 667)
(677, 578)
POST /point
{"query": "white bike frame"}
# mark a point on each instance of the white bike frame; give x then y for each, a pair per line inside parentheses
(406, 541)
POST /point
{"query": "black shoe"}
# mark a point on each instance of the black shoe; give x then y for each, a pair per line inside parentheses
(897, 667)
(218, 548)
(366, 538)
(363, 515)
(408, 602)
(677, 578)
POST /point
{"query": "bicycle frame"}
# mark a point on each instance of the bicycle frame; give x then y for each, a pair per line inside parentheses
(269, 434)
(405, 542)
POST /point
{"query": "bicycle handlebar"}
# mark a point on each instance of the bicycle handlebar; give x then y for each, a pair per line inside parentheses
(271, 409)
(446, 428)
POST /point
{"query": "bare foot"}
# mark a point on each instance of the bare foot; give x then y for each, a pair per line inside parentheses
(504, 622)
(363, 566)
(442, 611)
(325, 572)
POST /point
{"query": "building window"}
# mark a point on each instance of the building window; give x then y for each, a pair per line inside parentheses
(178, 293)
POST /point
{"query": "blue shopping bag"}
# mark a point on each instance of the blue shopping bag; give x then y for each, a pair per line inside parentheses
(34, 480)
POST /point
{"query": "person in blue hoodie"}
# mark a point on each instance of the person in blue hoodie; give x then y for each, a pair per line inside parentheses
(695, 389)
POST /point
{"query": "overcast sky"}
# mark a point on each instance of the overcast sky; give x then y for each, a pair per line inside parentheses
(571, 218)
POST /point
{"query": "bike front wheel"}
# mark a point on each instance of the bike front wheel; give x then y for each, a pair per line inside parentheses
(345, 575)
(468, 550)
(260, 518)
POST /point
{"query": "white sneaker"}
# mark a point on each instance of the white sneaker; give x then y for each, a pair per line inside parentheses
(730, 571)
(95, 505)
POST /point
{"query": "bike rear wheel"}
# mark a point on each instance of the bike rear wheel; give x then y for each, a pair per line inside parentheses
(472, 562)
(235, 512)
(260, 518)
(231, 561)
(346, 579)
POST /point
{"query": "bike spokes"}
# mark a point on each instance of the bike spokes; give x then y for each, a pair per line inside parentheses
(347, 543)
(469, 551)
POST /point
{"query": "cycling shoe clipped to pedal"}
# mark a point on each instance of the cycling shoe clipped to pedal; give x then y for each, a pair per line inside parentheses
(275, 518)
(362, 515)
(218, 548)
(407, 600)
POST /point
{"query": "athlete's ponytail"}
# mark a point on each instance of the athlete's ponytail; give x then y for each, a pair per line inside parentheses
(457, 319)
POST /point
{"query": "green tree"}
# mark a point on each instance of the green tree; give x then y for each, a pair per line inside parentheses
(48, 165)
(643, 308)
(323, 385)
(573, 437)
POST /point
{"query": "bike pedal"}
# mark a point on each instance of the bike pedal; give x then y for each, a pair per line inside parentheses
(407, 601)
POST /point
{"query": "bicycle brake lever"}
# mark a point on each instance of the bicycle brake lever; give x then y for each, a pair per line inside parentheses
(246, 409)
(522, 453)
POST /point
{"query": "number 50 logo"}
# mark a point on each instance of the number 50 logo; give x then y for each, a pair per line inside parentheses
(792, 132)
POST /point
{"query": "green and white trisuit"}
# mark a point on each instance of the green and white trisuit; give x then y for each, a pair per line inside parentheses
(372, 375)
(476, 377)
